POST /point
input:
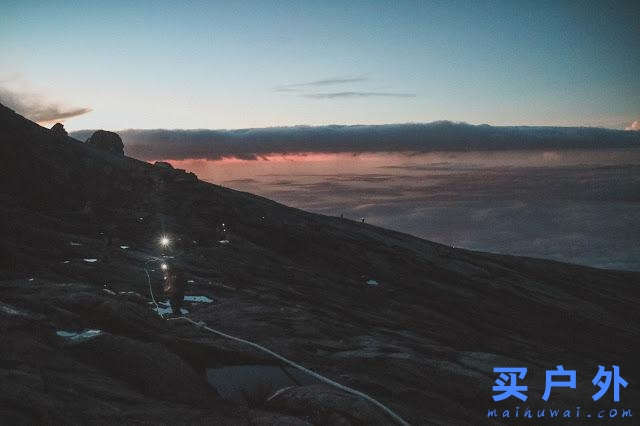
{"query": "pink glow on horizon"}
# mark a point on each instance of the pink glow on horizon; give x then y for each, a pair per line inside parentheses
(275, 172)
(299, 164)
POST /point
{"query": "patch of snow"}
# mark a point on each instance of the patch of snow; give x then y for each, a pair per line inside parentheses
(162, 311)
(198, 299)
(190, 281)
(79, 335)
(167, 309)
(224, 241)
(31, 279)
(111, 292)
(90, 260)
(372, 282)
(124, 247)
(66, 261)
(75, 244)
(8, 309)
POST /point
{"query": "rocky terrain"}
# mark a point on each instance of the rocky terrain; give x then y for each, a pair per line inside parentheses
(416, 325)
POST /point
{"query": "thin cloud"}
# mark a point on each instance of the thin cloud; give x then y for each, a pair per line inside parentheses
(324, 82)
(35, 108)
(10, 77)
(330, 81)
(286, 89)
(304, 87)
(335, 95)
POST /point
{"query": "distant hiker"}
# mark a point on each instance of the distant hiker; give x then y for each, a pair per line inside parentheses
(362, 219)
(88, 208)
(222, 230)
(109, 231)
(174, 287)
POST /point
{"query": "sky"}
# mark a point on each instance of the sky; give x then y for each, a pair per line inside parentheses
(229, 65)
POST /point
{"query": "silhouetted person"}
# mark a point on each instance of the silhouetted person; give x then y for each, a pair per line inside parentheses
(174, 287)
(88, 208)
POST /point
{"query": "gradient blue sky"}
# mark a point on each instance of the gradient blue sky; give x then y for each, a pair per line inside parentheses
(244, 64)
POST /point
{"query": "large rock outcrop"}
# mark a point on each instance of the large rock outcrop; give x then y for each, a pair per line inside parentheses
(107, 141)
(58, 131)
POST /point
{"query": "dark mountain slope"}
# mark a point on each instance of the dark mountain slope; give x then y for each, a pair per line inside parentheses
(423, 341)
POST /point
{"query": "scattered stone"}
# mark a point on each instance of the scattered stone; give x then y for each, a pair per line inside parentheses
(163, 165)
(186, 177)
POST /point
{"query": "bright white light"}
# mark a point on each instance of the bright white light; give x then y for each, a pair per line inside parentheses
(164, 266)
(164, 241)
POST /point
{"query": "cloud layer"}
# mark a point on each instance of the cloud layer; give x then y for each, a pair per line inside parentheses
(436, 136)
(33, 107)
(333, 95)
(580, 210)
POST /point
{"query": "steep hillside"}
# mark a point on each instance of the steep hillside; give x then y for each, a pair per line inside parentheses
(416, 325)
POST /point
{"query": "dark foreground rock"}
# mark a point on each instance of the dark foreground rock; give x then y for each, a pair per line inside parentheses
(80, 343)
(328, 405)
